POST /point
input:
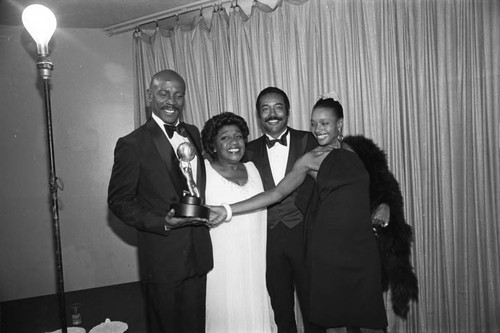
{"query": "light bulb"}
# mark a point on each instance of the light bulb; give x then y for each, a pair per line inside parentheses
(41, 24)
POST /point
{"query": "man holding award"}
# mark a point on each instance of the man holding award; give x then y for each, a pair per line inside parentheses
(160, 193)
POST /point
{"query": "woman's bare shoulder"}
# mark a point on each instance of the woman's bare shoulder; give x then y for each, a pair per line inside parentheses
(312, 160)
(313, 154)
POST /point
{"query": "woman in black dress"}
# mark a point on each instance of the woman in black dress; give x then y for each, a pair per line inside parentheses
(344, 263)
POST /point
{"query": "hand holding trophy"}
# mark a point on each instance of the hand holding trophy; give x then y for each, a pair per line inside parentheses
(191, 204)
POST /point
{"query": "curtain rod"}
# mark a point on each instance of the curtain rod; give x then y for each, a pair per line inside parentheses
(179, 10)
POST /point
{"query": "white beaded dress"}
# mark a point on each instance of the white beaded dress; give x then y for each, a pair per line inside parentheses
(237, 298)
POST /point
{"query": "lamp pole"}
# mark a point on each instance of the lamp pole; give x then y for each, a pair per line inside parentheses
(41, 24)
(55, 185)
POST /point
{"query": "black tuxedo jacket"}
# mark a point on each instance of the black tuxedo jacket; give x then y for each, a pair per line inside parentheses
(145, 181)
(300, 143)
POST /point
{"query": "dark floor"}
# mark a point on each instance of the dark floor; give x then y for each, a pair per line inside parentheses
(123, 302)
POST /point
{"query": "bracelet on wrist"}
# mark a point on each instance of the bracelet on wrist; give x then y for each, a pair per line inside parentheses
(229, 212)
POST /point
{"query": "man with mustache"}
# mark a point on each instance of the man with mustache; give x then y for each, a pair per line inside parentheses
(274, 154)
(175, 254)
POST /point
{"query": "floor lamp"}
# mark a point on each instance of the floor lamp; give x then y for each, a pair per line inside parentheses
(41, 24)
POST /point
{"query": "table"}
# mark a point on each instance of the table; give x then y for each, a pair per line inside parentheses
(122, 302)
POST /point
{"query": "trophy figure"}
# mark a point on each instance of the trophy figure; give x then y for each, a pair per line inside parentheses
(191, 204)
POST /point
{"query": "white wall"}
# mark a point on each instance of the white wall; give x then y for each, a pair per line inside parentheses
(92, 105)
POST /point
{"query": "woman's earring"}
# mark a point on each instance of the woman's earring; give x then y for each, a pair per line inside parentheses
(340, 137)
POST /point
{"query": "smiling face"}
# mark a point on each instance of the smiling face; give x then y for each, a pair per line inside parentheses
(229, 144)
(325, 125)
(166, 96)
(273, 114)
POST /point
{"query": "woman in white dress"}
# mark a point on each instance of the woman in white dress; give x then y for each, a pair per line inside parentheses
(237, 298)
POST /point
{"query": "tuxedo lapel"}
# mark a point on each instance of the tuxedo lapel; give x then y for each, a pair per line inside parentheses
(263, 158)
(167, 155)
(297, 147)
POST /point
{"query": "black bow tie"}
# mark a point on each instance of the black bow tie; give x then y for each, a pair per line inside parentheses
(179, 129)
(271, 142)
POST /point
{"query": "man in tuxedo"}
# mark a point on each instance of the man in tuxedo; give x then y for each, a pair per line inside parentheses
(274, 154)
(175, 254)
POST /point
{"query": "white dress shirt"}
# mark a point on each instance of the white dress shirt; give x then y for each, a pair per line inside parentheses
(278, 157)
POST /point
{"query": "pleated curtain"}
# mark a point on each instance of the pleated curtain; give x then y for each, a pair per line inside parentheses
(419, 77)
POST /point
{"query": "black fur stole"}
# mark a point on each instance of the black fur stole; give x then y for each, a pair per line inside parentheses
(394, 241)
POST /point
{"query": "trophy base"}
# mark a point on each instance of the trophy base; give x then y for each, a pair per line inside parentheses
(190, 207)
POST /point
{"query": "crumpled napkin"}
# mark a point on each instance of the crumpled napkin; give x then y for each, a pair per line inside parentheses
(109, 326)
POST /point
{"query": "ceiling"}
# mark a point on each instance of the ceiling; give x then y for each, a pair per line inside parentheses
(95, 14)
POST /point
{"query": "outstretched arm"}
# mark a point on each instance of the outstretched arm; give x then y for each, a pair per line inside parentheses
(286, 186)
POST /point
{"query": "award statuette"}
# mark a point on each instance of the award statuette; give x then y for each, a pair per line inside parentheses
(190, 205)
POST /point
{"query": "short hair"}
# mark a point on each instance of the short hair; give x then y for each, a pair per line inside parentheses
(166, 75)
(271, 90)
(214, 125)
(330, 103)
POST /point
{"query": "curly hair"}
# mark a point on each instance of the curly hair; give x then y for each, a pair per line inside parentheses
(330, 103)
(214, 125)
